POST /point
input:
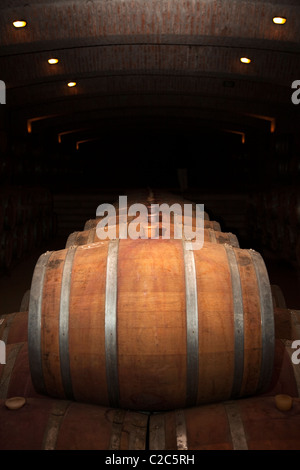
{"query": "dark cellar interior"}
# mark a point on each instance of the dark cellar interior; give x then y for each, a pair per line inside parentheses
(162, 104)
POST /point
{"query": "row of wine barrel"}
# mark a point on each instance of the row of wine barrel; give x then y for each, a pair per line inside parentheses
(254, 423)
(26, 221)
(151, 324)
(31, 421)
(274, 221)
(104, 358)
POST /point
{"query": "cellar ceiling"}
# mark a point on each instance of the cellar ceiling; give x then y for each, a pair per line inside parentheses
(145, 64)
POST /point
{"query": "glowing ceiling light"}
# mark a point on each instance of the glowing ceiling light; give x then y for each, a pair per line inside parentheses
(245, 60)
(52, 61)
(71, 84)
(19, 24)
(279, 20)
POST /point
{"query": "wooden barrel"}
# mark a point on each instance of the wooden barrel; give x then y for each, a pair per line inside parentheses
(208, 224)
(211, 236)
(49, 424)
(150, 324)
(14, 327)
(287, 323)
(15, 377)
(253, 423)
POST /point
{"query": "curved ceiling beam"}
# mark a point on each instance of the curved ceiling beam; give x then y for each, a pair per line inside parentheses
(152, 19)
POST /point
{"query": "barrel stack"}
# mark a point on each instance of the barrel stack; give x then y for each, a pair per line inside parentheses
(149, 343)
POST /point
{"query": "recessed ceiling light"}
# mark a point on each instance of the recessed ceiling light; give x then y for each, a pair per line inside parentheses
(279, 20)
(52, 61)
(19, 23)
(245, 60)
(70, 84)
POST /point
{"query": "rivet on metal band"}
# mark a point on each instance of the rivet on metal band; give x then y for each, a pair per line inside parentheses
(64, 323)
(238, 320)
(181, 432)
(191, 324)
(237, 431)
(267, 322)
(111, 346)
(34, 323)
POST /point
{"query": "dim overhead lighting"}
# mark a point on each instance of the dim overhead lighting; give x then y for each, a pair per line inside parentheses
(52, 61)
(245, 60)
(19, 23)
(279, 20)
(71, 84)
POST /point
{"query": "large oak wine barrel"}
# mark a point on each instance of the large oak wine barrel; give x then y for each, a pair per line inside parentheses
(253, 423)
(150, 324)
(211, 236)
(49, 424)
